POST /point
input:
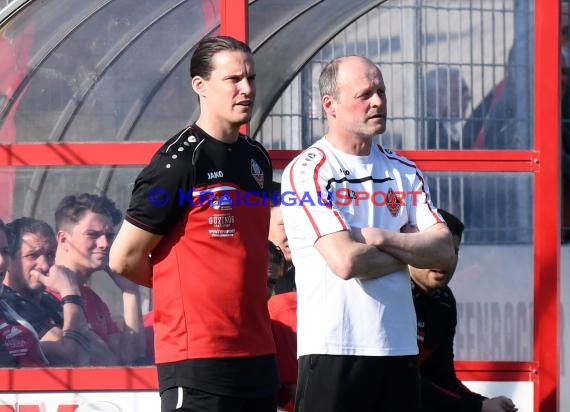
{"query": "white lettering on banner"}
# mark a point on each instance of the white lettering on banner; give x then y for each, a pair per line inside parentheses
(494, 331)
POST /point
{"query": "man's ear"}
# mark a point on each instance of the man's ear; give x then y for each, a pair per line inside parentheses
(62, 239)
(329, 105)
(199, 85)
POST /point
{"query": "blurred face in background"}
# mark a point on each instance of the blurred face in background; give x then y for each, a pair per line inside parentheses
(4, 255)
(277, 232)
(276, 267)
(459, 96)
(31, 262)
(87, 243)
(447, 94)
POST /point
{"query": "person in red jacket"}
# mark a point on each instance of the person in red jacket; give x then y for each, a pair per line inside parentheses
(85, 227)
(283, 313)
(436, 312)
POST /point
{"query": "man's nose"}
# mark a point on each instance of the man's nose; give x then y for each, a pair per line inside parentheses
(377, 100)
(103, 242)
(44, 262)
(247, 86)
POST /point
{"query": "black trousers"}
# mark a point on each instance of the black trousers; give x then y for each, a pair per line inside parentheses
(330, 383)
(193, 400)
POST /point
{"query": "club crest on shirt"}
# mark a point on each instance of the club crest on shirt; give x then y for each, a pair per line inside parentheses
(393, 203)
(257, 173)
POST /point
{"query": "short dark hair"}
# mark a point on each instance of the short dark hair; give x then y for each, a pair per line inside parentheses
(455, 225)
(201, 62)
(276, 257)
(16, 229)
(72, 208)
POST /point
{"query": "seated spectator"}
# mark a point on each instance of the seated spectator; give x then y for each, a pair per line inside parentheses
(283, 313)
(279, 238)
(148, 323)
(19, 343)
(447, 97)
(61, 327)
(505, 126)
(85, 229)
(436, 312)
(275, 268)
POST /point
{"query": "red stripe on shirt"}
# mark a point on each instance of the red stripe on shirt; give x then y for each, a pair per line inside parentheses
(395, 158)
(433, 211)
(316, 181)
(317, 190)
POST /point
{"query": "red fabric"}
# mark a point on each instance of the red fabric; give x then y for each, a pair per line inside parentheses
(211, 291)
(21, 343)
(209, 271)
(283, 314)
(97, 313)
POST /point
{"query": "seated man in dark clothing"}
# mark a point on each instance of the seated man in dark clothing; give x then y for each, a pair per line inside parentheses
(278, 237)
(64, 336)
(436, 313)
(19, 344)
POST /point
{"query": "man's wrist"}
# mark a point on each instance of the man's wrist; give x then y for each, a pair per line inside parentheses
(78, 338)
(72, 299)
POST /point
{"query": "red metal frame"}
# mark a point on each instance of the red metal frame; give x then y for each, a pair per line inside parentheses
(107, 379)
(139, 153)
(234, 21)
(543, 162)
(78, 379)
(547, 213)
(496, 371)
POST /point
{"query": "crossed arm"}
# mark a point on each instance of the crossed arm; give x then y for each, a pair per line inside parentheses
(372, 252)
(430, 249)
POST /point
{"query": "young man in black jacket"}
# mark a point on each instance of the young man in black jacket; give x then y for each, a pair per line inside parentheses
(436, 312)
